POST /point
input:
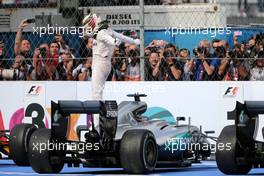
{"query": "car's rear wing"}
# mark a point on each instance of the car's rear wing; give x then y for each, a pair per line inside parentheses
(249, 121)
(61, 111)
(250, 108)
(68, 107)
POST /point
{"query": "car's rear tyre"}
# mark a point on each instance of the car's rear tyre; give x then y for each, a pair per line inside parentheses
(138, 152)
(19, 139)
(227, 159)
(40, 160)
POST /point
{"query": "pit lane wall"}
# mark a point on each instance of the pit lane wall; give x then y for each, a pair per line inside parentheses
(206, 103)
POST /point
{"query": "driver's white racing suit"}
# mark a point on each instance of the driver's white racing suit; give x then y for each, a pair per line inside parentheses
(103, 49)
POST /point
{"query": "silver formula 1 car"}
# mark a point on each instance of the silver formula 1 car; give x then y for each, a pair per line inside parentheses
(125, 139)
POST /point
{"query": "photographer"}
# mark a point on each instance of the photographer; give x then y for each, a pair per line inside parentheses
(205, 45)
(232, 67)
(226, 70)
(44, 65)
(173, 68)
(239, 51)
(153, 67)
(22, 46)
(19, 70)
(204, 67)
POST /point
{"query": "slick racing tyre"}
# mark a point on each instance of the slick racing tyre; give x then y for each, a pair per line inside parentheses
(138, 152)
(43, 161)
(227, 159)
(19, 139)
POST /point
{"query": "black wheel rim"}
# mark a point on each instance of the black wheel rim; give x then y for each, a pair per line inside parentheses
(150, 152)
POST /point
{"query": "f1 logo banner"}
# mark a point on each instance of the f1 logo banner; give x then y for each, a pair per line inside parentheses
(229, 94)
(34, 106)
(231, 91)
(35, 90)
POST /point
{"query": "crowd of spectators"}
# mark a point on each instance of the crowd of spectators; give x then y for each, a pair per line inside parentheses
(210, 61)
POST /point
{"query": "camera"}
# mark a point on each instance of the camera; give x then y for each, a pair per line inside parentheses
(11, 74)
(32, 20)
(220, 52)
(199, 50)
(230, 54)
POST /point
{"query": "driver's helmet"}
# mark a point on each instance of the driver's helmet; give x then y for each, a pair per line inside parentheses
(91, 24)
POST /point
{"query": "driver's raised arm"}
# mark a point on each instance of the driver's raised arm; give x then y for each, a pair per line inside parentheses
(125, 39)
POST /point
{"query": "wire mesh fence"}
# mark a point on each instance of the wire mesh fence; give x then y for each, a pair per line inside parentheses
(164, 68)
(44, 39)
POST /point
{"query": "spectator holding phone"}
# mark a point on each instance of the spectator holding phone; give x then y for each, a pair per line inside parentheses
(22, 46)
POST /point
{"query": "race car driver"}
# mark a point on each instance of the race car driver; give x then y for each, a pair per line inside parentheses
(103, 47)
